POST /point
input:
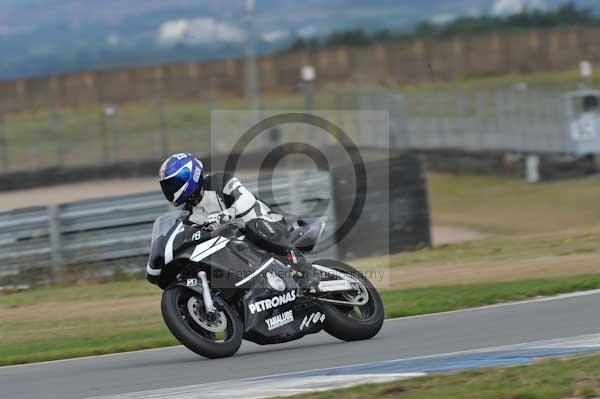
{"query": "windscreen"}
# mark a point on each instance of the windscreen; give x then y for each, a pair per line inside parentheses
(163, 223)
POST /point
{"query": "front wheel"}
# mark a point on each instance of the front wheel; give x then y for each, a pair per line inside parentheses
(210, 335)
(352, 323)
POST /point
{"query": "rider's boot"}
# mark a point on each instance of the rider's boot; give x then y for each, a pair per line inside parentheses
(304, 274)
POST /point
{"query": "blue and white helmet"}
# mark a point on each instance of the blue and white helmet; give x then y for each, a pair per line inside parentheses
(180, 176)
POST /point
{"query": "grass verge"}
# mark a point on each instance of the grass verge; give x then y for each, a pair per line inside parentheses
(415, 301)
(80, 321)
(575, 377)
(507, 205)
(519, 248)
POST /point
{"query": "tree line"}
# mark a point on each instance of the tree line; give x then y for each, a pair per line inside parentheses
(566, 15)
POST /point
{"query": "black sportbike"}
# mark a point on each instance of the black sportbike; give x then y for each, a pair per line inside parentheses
(235, 283)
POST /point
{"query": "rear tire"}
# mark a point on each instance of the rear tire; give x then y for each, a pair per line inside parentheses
(337, 321)
(183, 326)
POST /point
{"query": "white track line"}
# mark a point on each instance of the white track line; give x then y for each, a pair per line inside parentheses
(248, 389)
(176, 392)
(485, 307)
(530, 344)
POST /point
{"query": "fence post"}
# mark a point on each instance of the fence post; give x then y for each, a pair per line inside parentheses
(532, 168)
(331, 216)
(57, 128)
(295, 200)
(208, 103)
(111, 126)
(3, 144)
(104, 137)
(460, 125)
(441, 110)
(339, 108)
(55, 242)
(417, 116)
(501, 138)
(115, 136)
(479, 119)
(162, 118)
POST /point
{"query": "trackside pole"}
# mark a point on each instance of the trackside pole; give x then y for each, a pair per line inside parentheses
(55, 242)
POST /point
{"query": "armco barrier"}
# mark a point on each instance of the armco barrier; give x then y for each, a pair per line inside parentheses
(89, 238)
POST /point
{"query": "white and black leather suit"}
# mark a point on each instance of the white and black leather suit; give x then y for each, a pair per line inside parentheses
(225, 199)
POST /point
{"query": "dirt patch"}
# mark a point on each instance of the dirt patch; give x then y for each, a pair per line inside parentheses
(81, 191)
(74, 192)
(454, 234)
(483, 272)
(428, 274)
(78, 309)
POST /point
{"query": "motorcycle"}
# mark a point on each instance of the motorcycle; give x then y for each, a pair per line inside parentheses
(235, 283)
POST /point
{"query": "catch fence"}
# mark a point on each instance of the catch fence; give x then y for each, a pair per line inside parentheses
(513, 119)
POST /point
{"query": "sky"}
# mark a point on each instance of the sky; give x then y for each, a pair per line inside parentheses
(39, 37)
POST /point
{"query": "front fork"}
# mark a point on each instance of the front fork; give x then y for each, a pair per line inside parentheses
(206, 296)
(200, 286)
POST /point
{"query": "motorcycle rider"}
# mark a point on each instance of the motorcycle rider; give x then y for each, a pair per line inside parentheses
(219, 198)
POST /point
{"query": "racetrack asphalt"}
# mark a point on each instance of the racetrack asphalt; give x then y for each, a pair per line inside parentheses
(487, 327)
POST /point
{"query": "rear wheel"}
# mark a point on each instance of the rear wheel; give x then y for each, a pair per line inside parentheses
(214, 335)
(352, 323)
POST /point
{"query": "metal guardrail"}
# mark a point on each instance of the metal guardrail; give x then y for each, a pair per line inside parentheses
(116, 231)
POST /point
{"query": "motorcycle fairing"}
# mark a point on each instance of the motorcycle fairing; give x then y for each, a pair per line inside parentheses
(221, 250)
(280, 328)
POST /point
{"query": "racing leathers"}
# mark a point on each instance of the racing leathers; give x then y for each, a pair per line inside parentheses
(225, 199)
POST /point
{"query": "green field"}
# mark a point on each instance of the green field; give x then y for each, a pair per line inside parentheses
(549, 229)
(507, 205)
(575, 377)
(416, 301)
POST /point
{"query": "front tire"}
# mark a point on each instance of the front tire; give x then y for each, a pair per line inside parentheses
(182, 312)
(347, 323)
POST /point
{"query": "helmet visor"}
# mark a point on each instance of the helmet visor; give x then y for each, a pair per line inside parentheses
(173, 184)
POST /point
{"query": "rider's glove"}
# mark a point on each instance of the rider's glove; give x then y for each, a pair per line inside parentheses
(216, 219)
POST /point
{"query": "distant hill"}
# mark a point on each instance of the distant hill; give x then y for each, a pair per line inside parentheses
(41, 37)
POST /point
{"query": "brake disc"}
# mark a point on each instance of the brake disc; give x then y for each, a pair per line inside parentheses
(198, 315)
